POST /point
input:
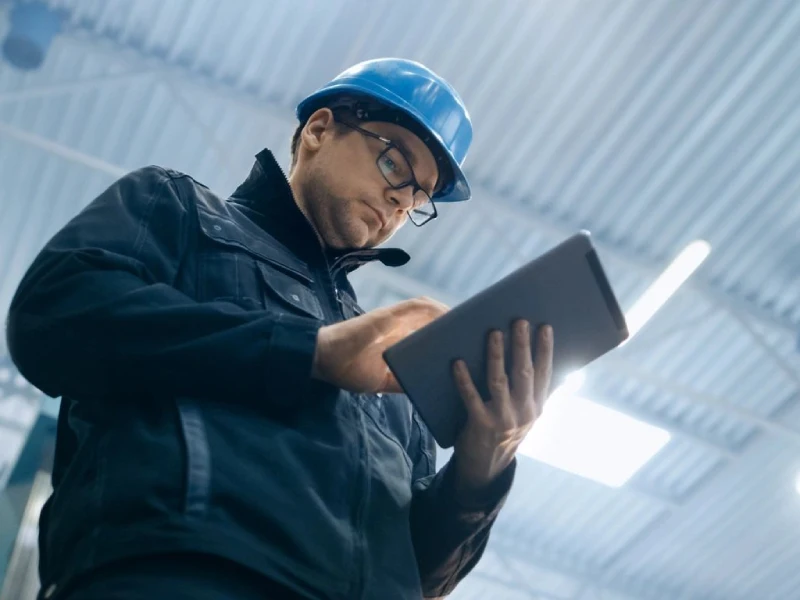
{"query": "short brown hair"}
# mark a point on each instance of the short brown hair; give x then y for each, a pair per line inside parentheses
(295, 143)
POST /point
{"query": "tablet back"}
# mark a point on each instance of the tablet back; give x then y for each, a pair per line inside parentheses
(565, 287)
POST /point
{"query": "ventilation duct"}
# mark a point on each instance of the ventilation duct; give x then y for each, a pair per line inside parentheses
(33, 25)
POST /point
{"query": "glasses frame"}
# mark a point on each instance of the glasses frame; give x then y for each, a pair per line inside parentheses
(390, 145)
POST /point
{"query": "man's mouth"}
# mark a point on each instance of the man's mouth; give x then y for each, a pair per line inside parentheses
(380, 217)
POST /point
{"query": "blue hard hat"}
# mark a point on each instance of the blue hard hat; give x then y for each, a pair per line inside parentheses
(435, 109)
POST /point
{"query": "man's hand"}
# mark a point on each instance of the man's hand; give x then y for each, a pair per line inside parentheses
(496, 427)
(349, 354)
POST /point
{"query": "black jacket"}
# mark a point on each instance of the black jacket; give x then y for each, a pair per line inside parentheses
(179, 330)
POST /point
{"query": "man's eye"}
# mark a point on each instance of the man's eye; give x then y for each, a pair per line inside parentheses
(388, 165)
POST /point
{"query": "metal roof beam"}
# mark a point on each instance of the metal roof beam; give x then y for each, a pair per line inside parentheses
(62, 151)
(594, 578)
(66, 87)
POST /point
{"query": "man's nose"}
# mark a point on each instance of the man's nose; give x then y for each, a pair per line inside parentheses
(402, 198)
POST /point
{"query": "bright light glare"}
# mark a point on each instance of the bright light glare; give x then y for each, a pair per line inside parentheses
(571, 386)
(593, 441)
(673, 277)
(797, 483)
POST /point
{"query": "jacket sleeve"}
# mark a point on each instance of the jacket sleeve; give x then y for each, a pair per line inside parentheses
(97, 314)
(450, 533)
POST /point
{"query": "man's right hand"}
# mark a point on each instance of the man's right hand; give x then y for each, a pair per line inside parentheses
(349, 354)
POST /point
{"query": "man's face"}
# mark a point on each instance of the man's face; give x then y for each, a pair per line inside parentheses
(339, 185)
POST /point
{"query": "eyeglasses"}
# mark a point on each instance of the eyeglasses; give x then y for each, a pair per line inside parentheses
(396, 170)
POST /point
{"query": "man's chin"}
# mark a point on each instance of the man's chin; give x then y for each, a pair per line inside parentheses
(348, 240)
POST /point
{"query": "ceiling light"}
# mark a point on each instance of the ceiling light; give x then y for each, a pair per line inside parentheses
(593, 441)
(673, 277)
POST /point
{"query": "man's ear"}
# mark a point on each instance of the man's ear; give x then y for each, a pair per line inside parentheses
(319, 124)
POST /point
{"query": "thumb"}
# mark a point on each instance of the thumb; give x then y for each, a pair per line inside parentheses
(390, 385)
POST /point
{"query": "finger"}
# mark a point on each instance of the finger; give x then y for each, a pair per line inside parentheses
(473, 402)
(543, 365)
(422, 307)
(406, 317)
(522, 372)
(439, 307)
(500, 403)
(496, 377)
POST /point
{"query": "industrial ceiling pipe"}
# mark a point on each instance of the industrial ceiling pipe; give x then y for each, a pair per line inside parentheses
(33, 27)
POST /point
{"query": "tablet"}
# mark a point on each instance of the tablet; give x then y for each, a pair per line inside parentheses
(565, 287)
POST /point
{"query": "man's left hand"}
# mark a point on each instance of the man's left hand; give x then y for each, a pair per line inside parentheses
(496, 427)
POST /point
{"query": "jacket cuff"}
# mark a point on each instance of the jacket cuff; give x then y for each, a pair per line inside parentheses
(291, 357)
(488, 499)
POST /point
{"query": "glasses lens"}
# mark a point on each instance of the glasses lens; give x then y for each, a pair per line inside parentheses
(424, 209)
(395, 168)
(398, 174)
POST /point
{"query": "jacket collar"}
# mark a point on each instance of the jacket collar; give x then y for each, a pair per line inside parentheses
(267, 198)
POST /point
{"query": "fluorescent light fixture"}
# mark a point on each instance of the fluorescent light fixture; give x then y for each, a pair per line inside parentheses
(673, 277)
(593, 441)
(797, 483)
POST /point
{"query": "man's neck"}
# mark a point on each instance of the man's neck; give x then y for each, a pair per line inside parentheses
(300, 201)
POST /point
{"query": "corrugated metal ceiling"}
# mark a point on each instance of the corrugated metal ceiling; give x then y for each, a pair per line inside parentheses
(650, 124)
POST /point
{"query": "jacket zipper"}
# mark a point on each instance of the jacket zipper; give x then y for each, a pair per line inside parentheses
(328, 284)
(362, 563)
(360, 557)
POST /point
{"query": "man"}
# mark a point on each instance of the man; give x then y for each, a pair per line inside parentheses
(223, 430)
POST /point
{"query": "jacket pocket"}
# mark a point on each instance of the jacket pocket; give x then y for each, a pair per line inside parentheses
(289, 292)
(226, 232)
(253, 271)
